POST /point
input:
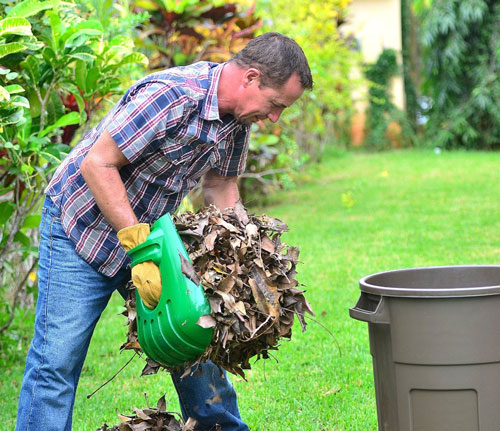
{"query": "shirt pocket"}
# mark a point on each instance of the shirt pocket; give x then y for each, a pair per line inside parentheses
(218, 154)
(177, 154)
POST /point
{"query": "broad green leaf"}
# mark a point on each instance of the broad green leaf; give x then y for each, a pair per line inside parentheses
(32, 66)
(91, 81)
(135, 58)
(180, 58)
(36, 142)
(11, 48)
(46, 73)
(35, 146)
(20, 101)
(22, 238)
(82, 49)
(122, 42)
(33, 43)
(6, 210)
(55, 107)
(13, 118)
(4, 93)
(57, 28)
(10, 146)
(24, 131)
(14, 88)
(35, 105)
(65, 120)
(12, 75)
(91, 26)
(147, 5)
(56, 151)
(88, 28)
(80, 39)
(81, 74)
(29, 8)
(18, 26)
(49, 56)
(82, 56)
(32, 221)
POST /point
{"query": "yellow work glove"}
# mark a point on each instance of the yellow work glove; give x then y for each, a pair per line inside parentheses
(146, 275)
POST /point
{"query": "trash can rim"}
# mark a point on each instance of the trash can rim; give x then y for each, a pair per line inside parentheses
(426, 292)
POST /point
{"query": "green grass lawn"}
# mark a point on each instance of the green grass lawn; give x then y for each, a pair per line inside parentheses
(355, 214)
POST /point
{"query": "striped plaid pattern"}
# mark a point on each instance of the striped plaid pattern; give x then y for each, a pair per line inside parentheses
(167, 125)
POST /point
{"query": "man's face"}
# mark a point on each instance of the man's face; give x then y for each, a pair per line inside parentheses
(261, 103)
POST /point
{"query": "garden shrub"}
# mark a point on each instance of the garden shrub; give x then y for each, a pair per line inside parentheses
(386, 125)
(186, 31)
(318, 119)
(461, 48)
(60, 63)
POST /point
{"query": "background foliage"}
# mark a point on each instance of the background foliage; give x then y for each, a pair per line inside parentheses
(183, 32)
(461, 48)
(386, 126)
(319, 119)
(60, 62)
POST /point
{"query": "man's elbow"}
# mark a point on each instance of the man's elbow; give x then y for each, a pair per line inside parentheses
(86, 166)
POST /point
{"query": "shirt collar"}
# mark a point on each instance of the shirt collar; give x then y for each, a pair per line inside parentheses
(210, 107)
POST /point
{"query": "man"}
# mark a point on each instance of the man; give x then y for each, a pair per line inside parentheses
(169, 130)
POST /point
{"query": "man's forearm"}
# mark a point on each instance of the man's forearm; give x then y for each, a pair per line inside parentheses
(220, 191)
(100, 169)
(109, 192)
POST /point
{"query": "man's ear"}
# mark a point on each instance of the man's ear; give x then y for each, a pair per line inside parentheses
(251, 76)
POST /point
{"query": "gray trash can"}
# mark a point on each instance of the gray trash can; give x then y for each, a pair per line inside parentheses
(435, 341)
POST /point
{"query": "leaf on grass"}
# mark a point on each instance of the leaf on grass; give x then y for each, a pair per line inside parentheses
(149, 419)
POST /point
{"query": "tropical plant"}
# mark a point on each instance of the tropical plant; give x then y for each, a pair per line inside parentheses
(186, 31)
(461, 48)
(53, 54)
(386, 126)
(317, 117)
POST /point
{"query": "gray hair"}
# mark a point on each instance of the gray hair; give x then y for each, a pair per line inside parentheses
(277, 57)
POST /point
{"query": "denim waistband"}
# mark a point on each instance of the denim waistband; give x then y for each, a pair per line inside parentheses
(49, 207)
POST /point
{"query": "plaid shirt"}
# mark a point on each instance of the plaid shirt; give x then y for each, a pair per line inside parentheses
(168, 126)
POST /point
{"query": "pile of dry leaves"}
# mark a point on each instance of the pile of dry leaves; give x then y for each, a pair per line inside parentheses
(248, 276)
(152, 419)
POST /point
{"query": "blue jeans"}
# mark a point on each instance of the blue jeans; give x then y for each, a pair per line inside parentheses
(71, 298)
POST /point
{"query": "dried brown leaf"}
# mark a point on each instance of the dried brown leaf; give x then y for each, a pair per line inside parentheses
(190, 425)
(210, 240)
(161, 405)
(266, 295)
(267, 244)
(206, 321)
(241, 213)
(188, 270)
